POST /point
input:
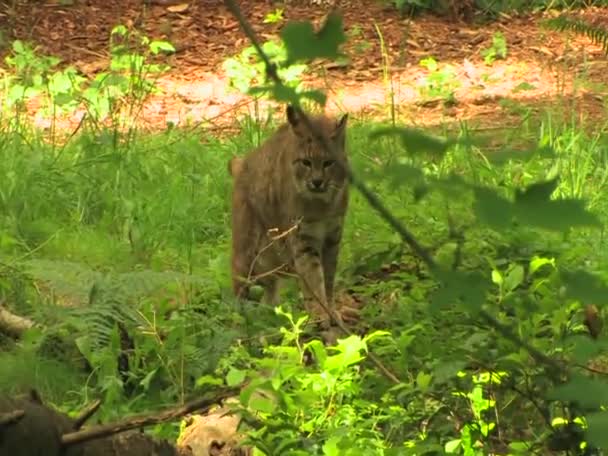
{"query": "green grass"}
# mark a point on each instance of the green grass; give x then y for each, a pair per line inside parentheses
(128, 219)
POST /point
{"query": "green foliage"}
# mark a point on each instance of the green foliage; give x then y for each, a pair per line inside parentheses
(114, 234)
(561, 23)
(246, 70)
(310, 409)
(274, 16)
(498, 50)
(116, 93)
(440, 82)
(303, 43)
(130, 78)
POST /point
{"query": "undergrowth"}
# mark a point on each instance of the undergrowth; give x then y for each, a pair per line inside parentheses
(115, 244)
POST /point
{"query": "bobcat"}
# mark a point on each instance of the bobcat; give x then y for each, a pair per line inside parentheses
(289, 201)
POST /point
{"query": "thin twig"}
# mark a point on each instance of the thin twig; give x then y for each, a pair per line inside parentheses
(86, 414)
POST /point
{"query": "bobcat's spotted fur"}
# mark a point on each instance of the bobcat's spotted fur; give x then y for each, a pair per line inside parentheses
(289, 202)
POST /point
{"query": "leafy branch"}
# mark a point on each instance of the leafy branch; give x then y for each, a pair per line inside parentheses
(372, 199)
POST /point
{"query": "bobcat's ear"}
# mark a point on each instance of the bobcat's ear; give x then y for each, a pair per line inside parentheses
(339, 133)
(295, 121)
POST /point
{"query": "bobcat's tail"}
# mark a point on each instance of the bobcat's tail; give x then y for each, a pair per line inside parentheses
(234, 165)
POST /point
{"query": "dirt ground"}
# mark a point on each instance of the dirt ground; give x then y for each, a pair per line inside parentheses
(205, 33)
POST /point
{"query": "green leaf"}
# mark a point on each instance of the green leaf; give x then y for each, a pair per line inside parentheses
(400, 173)
(452, 446)
(534, 206)
(585, 287)
(119, 30)
(537, 262)
(537, 193)
(303, 43)
(261, 404)
(157, 46)
(497, 277)
(596, 434)
(503, 156)
(18, 46)
(491, 208)
(147, 380)
(318, 350)
(584, 348)
(460, 287)
(208, 380)
(235, 376)
(415, 141)
(423, 380)
(586, 392)
(514, 278)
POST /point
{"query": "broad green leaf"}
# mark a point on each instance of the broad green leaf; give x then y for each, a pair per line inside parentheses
(18, 46)
(584, 348)
(157, 46)
(447, 370)
(492, 208)
(555, 215)
(415, 141)
(586, 392)
(375, 335)
(318, 350)
(585, 287)
(261, 404)
(503, 156)
(119, 30)
(535, 207)
(208, 380)
(465, 288)
(399, 174)
(452, 446)
(145, 382)
(537, 262)
(537, 192)
(514, 278)
(497, 277)
(235, 376)
(303, 43)
(446, 254)
(597, 423)
(423, 380)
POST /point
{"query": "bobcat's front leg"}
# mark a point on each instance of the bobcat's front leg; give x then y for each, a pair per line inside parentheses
(307, 263)
(331, 248)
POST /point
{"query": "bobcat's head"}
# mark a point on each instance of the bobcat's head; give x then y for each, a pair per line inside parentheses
(318, 174)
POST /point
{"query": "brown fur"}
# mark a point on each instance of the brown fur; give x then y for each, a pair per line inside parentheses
(281, 222)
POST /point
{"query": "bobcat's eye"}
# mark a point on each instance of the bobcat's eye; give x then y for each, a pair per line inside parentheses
(306, 163)
(328, 163)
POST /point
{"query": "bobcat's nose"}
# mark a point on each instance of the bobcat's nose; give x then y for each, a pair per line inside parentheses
(317, 184)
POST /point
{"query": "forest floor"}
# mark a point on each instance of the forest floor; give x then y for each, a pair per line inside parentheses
(541, 65)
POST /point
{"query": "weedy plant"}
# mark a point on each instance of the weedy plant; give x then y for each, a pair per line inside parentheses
(498, 50)
(441, 82)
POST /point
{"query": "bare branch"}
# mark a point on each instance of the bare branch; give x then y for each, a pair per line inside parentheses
(7, 419)
(105, 430)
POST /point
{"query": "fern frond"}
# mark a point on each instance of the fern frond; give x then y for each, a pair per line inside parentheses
(100, 300)
(599, 35)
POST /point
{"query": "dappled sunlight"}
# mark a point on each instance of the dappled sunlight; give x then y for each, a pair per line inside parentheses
(196, 91)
